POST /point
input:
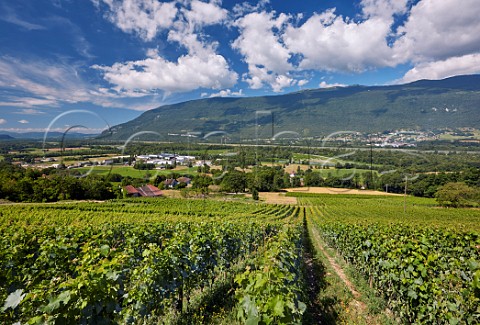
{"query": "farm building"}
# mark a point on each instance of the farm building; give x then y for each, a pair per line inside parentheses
(146, 191)
(171, 182)
(185, 180)
(131, 191)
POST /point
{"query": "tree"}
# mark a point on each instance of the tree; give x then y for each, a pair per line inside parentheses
(201, 183)
(255, 194)
(234, 181)
(457, 194)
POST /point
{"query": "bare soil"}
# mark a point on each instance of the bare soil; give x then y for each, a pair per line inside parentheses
(276, 198)
(332, 190)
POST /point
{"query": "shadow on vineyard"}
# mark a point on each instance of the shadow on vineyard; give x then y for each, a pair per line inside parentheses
(213, 303)
(321, 306)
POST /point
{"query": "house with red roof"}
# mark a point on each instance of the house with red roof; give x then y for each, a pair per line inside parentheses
(145, 191)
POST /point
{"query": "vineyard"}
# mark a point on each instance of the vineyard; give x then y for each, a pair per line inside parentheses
(179, 261)
(424, 261)
(154, 261)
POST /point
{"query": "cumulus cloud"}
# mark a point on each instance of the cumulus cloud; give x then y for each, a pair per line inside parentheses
(2, 121)
(383, 8)
(205, 13)
(441, 39)
(276, 46)
(280, 50)
(435, 35)
(201, 67)
(145, 18)
(243, 8)
(260, 45)
(437, 30)
(329, 42)
(23, 122)
(467, 64)
(189, 72)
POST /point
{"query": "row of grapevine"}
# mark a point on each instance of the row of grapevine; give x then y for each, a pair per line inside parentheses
(426, 274)
(367, 209)
(130, 262)
(271, 288)
(80, 214)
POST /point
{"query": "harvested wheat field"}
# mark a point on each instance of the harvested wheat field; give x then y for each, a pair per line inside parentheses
(332, 190)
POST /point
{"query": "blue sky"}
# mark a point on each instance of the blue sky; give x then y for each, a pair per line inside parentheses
(91, 64)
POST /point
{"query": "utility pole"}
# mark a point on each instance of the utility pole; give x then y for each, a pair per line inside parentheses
(371, 164)
(405, 196)
(273, 126)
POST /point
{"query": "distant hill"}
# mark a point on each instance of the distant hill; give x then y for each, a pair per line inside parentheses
(425, 104)
(40, 135)
(6, 137)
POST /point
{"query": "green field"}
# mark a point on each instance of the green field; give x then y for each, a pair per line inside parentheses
(132, 172)
(347, 173)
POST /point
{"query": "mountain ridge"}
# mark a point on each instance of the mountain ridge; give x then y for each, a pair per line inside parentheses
(424, 104)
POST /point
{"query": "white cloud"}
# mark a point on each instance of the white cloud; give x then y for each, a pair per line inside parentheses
(201, 67)
(29, 111)
(437, 30)
(188, 73)
(29, 102)
(324, 42)
(23, 122)
(260, 44)
(190, 40)
(331, 43)
(3, 121)
(50, 84)
(435, 33)
(383, 8)
(468, 64)
(282, 81)
(204, 13)
(47, 81)
(243, 8)
(303, 82)
(324, 84)
(143, 17)
(226, 93)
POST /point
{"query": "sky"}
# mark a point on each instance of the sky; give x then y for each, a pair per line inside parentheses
(90, 64)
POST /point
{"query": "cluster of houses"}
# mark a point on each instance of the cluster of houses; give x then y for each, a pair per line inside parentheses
(153, 191)
(165, 159)
(172, 182)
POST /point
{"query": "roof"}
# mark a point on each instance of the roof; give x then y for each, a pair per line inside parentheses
(131, 190)
(170, 181)
(184, 180)
(149, 190)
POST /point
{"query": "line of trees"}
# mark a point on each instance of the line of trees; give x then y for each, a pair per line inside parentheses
(18, 184)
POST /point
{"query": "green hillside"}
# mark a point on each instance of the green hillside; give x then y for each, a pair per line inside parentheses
(425, 104)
